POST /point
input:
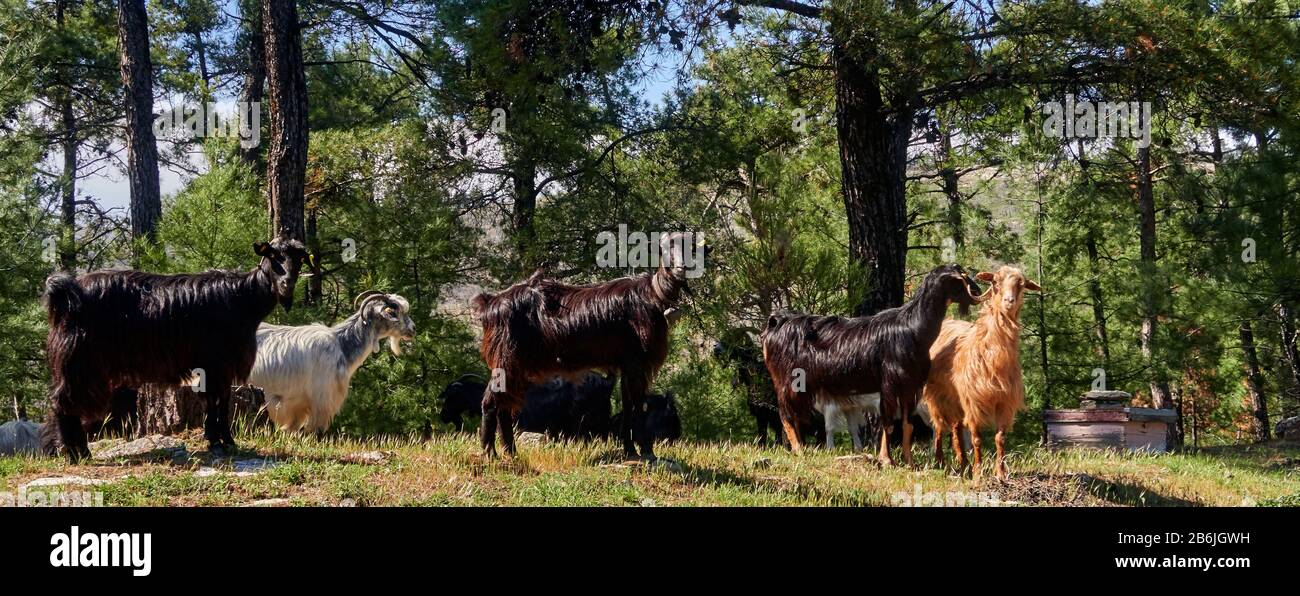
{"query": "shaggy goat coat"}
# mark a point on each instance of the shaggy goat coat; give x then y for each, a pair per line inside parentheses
(815, 359)
(541, 328)
(306, 371)
(975, 379)
(111, 329)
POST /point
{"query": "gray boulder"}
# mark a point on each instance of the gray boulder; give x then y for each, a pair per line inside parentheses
(1289, 429)
(20, 437)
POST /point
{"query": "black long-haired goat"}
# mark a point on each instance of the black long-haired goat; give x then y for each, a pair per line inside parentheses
(113, 329)
(834, 359)
(541, 328)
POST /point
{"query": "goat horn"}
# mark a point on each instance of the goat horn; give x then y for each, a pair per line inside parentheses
(982, 297)
(364, 297)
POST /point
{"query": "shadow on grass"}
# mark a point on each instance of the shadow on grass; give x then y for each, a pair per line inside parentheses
(1122, 493)
(1273, 456)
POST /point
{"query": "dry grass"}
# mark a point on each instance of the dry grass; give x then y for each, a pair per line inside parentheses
(450, 471)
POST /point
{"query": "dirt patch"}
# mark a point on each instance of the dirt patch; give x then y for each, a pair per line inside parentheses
(1036, 488)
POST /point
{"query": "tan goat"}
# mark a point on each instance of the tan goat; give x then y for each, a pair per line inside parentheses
(975, 377)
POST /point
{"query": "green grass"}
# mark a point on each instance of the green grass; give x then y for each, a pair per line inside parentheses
(450, 471)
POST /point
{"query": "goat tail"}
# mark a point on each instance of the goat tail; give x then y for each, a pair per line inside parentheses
(63, 298)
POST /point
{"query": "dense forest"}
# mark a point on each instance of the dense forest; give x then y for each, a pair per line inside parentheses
(832, 152)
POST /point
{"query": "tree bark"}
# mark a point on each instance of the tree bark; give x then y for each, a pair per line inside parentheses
(255, 79)
(873, 163)
(166, 410)
(1255, 400)
(201, 49)
(315, 285)
(287, 90)
(141, 146)
(68, 190)
(1041, 217)
(950, 184)
(1098, 301)
(1291, 404)
(525, 206)
(1160, 397)
(68, 186)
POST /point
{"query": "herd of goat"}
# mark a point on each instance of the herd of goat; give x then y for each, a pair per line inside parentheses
(556, 352)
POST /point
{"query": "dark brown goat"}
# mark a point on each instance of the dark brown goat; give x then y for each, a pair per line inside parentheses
(112, 329)
(818, 359)
(541, 328)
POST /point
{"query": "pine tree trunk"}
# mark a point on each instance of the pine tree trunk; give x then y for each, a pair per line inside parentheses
(141, 146)
(68, 186)
(255, 79)
(1160, 397)
(315, 288)
(1291, 403)
(1098, 304)
(525, 206)
(873, 163)
(201, 49)
(950, 183)
(287, 90)
(167, 410)
(1255, 401)
(1044, 362)
(68, 190)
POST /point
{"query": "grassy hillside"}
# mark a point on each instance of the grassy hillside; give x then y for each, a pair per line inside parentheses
(279, 470)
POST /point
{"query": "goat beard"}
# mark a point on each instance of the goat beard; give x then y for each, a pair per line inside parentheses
(395, 344)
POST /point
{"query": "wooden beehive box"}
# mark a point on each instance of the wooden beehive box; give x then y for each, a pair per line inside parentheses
(1105, 422)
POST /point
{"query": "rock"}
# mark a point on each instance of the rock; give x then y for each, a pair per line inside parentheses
(1289, 429)
(241, 468)
(373, 458)
(20, 437)
(281, 502)
(152, 447)
(527, 438)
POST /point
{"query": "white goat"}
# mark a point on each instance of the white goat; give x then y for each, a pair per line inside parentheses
(306, 371)
(851, 416)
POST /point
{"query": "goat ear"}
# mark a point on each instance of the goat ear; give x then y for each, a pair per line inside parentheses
(262, 249)
(984, 276)
(1031, 286)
